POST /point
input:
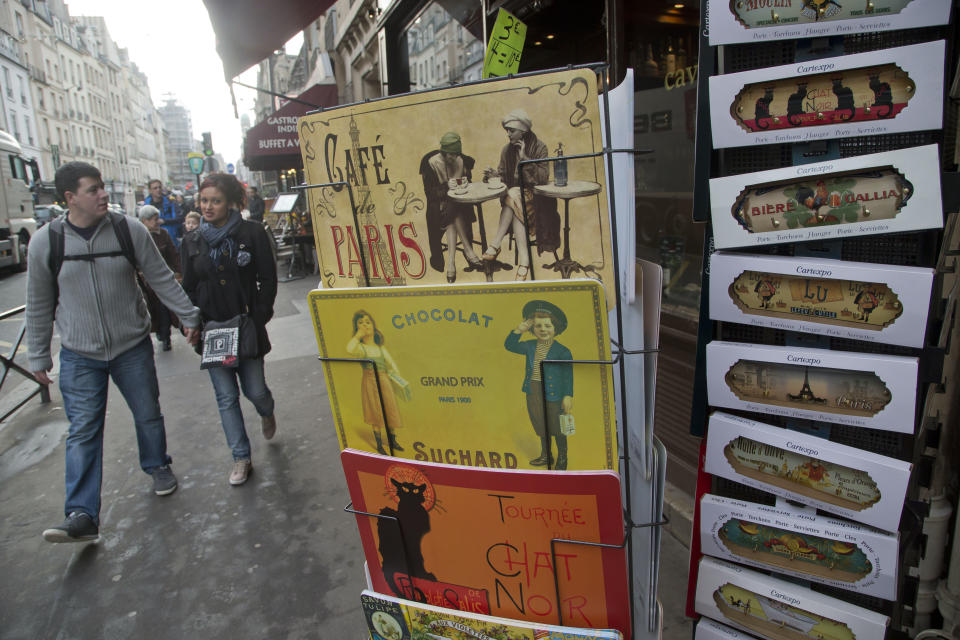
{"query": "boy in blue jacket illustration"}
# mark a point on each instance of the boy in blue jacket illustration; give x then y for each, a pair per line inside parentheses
(545, 321)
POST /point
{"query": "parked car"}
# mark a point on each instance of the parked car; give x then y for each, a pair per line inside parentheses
(44, 213)
(114, 207)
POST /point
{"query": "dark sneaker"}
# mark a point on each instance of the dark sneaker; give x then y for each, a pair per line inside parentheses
(268, 424)
(164, 482)
(78, 527)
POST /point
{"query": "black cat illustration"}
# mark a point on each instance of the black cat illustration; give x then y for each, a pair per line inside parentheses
(844, 99)
(882, 96)
(402, 553)
(762, 109)
(795, 104)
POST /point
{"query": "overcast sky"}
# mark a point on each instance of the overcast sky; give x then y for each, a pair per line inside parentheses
(173, 44)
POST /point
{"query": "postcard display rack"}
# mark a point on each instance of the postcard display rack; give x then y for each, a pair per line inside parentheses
(826, 351)
(460, 533)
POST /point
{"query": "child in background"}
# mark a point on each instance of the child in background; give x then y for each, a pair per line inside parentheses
(191, 222)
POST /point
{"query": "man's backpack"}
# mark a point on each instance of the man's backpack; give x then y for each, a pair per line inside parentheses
(57, 243)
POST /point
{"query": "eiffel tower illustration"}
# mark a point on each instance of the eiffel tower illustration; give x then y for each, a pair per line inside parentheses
(806, 393)
(379, 265)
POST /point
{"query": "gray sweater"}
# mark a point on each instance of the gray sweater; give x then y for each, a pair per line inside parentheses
(101, 312)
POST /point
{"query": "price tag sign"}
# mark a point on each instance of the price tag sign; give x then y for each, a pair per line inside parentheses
(505, 46)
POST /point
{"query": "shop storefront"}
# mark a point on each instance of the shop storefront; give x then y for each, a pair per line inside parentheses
(792, 200)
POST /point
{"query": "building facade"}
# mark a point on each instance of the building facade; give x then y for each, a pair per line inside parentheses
(69, 93)
(180, 141)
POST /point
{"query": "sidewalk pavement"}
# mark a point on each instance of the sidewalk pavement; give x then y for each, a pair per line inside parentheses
(275, 558)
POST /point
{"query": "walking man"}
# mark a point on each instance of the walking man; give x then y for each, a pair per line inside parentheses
(81, 274)
(255, 204)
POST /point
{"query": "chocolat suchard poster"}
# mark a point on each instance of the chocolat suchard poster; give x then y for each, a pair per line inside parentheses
(426, 187)
(480, 375)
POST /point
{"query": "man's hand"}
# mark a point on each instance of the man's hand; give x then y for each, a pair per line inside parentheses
(42, 377)
(192, 335)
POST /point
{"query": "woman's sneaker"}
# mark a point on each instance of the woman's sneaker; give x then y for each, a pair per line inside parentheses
(78, 527)
(241, 471)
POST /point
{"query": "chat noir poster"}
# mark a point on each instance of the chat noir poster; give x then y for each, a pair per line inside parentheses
(479, 540)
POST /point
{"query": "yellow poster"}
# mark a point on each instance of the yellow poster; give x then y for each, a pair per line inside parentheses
(439, 187)
(478, 375)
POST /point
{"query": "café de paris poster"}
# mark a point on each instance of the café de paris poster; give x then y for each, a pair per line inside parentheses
(411, 176)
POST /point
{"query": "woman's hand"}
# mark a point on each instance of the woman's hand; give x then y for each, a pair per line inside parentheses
(521, 149)
(567, 404)
(490, 172)
(524, 326)
(452, 183)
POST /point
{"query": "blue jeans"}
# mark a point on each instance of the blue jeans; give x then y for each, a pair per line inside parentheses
(250, 374)
(83, 384)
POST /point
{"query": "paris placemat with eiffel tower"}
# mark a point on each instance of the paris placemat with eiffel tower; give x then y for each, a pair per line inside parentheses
(459, 373)
(429, 188)
(480, 539)
(857, 389)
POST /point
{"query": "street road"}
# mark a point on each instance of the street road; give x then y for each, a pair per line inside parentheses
(12, 294)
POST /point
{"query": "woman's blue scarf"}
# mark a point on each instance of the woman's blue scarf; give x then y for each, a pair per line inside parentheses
(218, 238)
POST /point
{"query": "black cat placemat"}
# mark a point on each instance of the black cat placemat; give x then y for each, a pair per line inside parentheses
(479, 539)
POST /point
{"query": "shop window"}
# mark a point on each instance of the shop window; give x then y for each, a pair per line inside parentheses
(661, 40)
(431, 38)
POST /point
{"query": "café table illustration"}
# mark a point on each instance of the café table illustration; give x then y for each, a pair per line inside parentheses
(476, 193)
(573, 189)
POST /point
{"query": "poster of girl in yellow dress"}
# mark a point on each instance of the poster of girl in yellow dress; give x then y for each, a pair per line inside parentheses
(483, 375)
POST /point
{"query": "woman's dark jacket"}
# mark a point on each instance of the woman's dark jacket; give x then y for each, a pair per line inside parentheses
(221, 290)
(169, 252)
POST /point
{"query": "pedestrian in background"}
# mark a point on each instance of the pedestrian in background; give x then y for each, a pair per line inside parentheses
(161, 318)
(191, 221)
(255, 205)
(228, 269)
(104, 333)
(170, 216)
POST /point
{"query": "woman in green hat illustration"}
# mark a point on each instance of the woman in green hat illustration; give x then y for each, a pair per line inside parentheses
(443, 171)
(545, 321)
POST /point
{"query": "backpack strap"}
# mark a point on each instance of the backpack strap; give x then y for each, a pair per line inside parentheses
(58, 241)
(122, 230)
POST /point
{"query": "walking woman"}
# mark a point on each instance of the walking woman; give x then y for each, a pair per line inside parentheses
(228, 269)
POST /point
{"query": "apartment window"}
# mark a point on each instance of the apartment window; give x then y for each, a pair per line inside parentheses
(26, 124)
(15, 126)
(19, 23)
(6, 83)
(23, 94)
(46, 131)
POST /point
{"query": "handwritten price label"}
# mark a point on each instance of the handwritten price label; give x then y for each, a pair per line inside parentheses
(505, 46)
